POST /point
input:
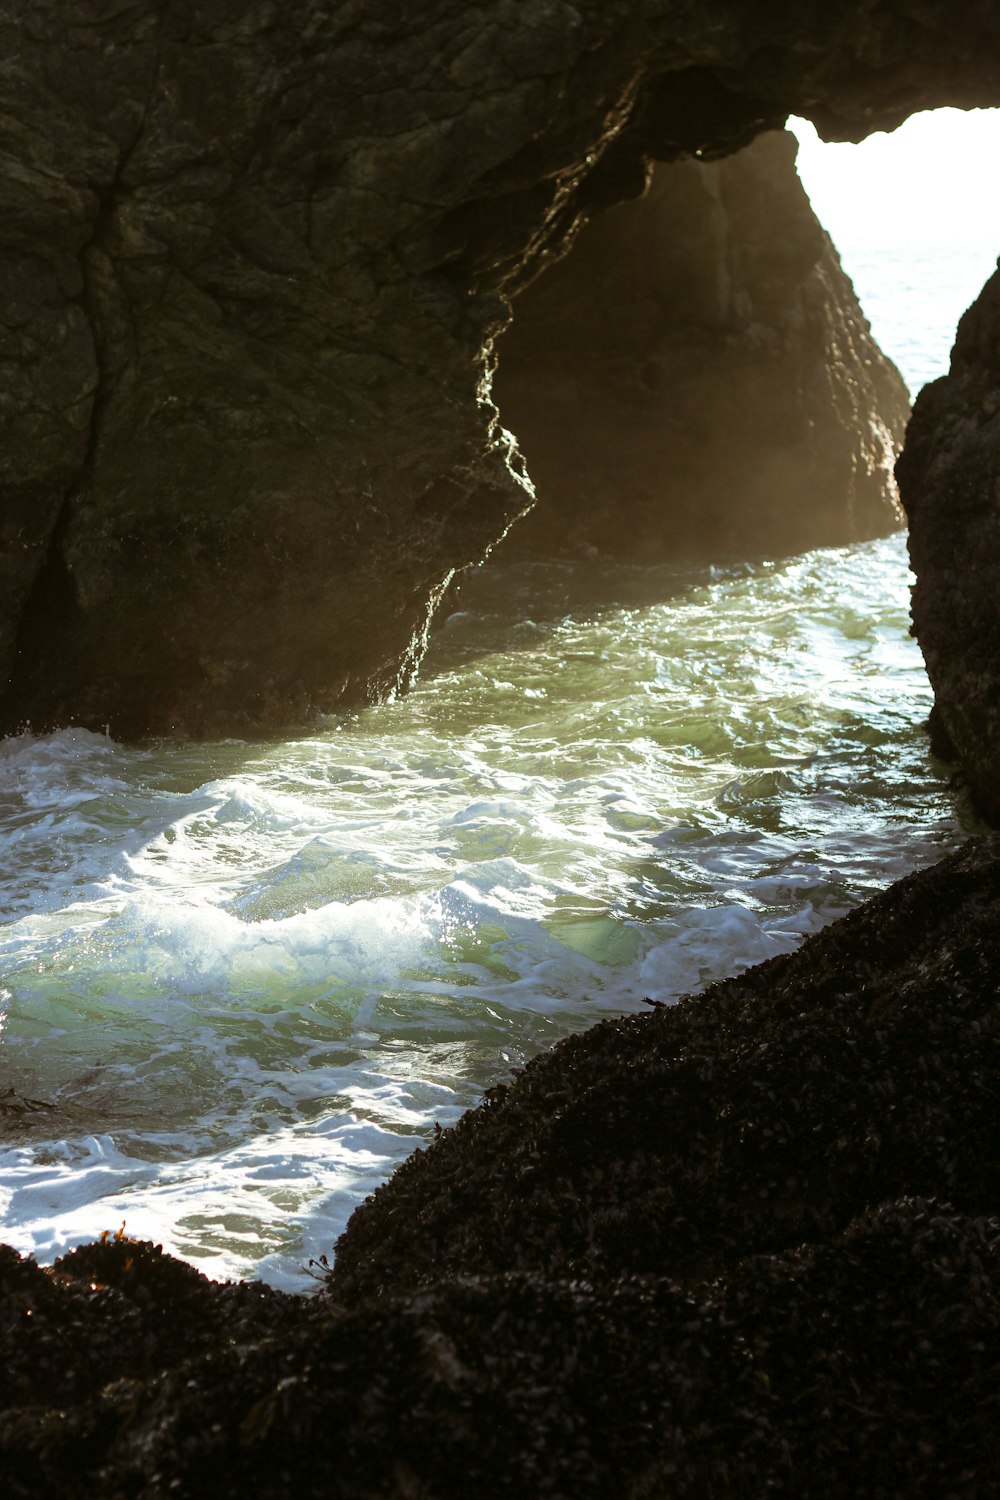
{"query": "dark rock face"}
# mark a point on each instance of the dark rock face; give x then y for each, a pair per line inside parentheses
(721, 390)
(745, 1245)
(866, 1366)
(252, 257)
(948, 483)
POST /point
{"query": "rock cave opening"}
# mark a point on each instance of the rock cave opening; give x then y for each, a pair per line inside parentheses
(911, 199)
(697, 374)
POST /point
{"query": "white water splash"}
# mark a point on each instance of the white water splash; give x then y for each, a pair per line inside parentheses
(248, 978)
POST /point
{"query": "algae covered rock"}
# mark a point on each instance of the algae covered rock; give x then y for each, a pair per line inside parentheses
(865, 1365)
(744, 1245)
(769, 1111)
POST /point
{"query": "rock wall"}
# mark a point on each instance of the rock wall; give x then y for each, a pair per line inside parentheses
(948, 479)
(697, 375)
(252, 258)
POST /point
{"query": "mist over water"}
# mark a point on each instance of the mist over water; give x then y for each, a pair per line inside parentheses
(247, 979)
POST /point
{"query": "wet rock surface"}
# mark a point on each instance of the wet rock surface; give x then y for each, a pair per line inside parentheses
(253, 258)
(745, 1245)
(723, 392)
(948, 479)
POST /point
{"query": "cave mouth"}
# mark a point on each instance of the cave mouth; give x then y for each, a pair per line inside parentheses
(917, 199)
(697, 375)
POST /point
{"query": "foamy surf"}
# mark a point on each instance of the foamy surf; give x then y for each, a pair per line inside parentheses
(243, 981)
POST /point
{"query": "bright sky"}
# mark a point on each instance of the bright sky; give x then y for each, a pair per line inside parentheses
(934, 181)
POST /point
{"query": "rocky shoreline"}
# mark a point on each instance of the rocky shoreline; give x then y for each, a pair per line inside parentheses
(744, 1245)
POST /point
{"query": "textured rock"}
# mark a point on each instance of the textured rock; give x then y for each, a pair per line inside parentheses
(697, 373)
(866, 1366)
(948, 478)
(681, 1256)
(253, 257)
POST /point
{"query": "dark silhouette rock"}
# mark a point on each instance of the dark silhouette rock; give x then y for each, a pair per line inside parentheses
(948, 485)
(745, 1245)
(253, 258)
(863, 1366)
(697, 374)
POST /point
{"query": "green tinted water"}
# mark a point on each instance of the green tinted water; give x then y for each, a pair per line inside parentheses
(248, 978)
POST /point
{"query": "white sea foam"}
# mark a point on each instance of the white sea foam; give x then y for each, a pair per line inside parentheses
(246, 979)
(278, 1200)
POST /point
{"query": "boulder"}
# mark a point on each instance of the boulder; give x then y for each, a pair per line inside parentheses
(697, 375)
(948, 480)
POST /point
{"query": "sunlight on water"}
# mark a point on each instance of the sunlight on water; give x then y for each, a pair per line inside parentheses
(245, 979)
(914, 302)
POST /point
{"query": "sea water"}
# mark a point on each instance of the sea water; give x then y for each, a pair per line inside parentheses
(240, 982)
